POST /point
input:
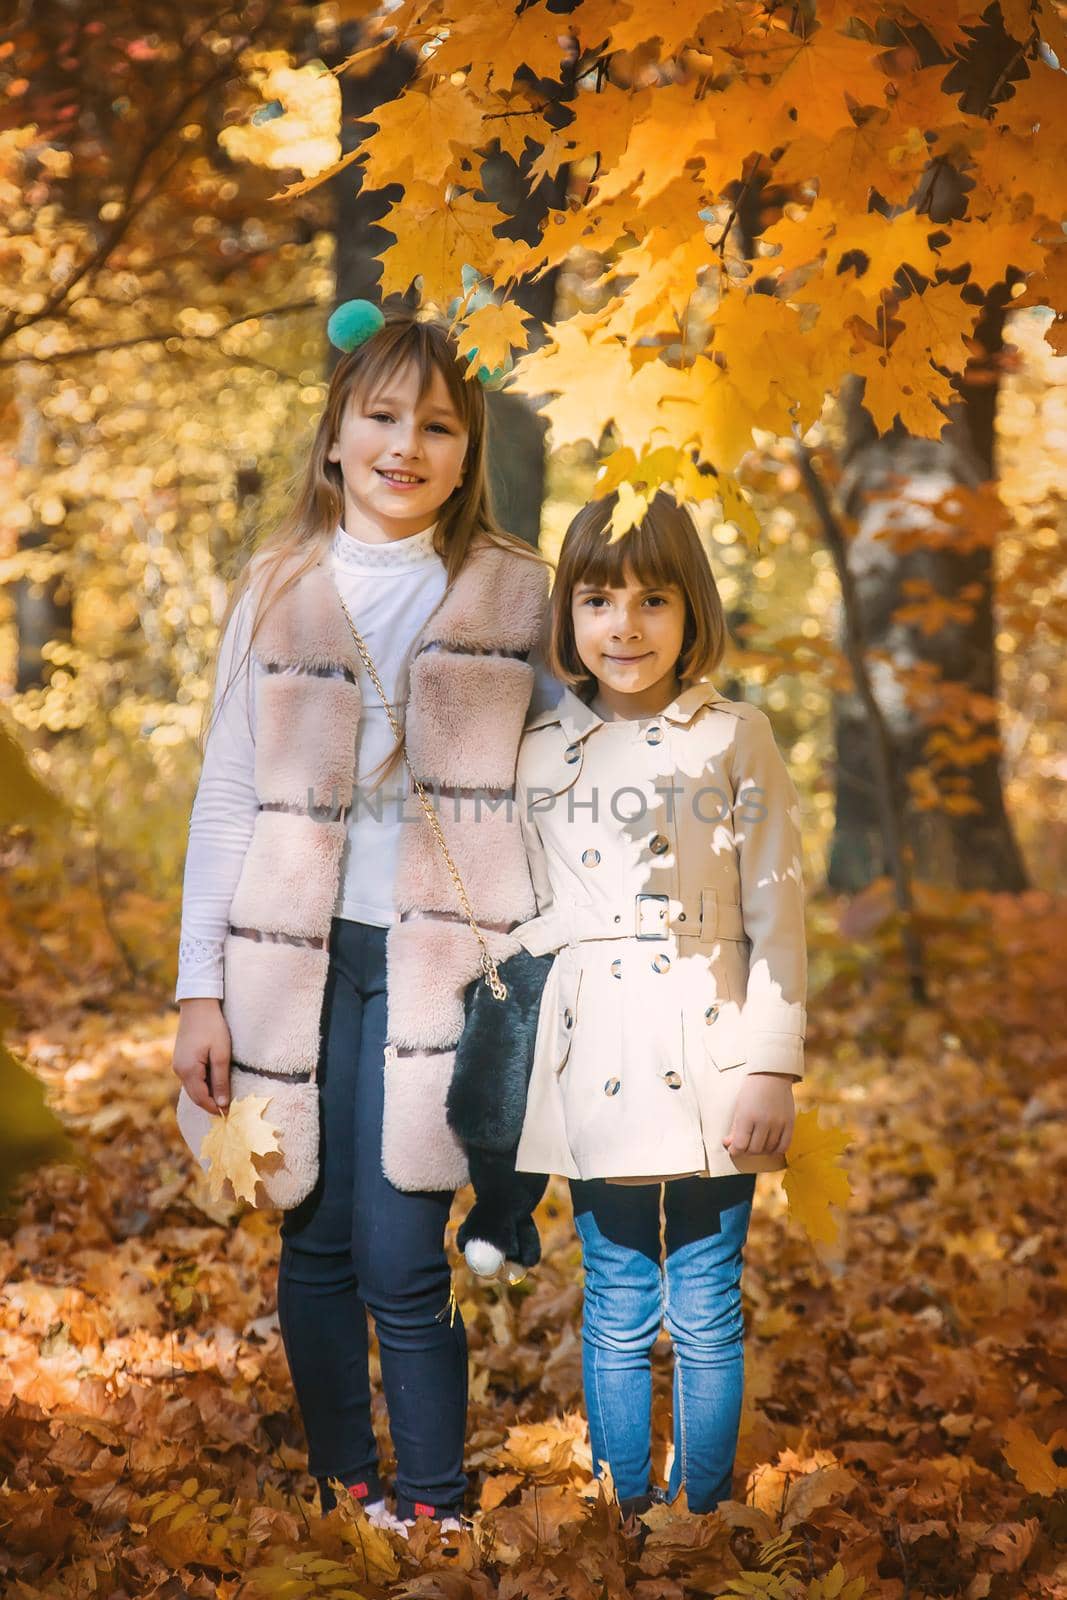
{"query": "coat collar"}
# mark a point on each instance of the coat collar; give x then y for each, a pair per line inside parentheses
(577, 720)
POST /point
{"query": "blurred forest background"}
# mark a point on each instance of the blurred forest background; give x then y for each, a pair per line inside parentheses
(186, 193)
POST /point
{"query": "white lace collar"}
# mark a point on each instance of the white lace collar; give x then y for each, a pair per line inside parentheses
(356, 555)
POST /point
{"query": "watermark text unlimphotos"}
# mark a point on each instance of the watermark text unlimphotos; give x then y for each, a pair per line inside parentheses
(625, 805)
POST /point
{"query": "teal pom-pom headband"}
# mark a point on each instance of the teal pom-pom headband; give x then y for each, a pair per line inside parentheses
(356, 321)
(353, 323)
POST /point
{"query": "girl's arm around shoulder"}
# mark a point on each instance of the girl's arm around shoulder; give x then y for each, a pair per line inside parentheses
(767, 823)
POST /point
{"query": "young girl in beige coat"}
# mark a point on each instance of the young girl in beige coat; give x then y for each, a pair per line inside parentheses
(662, 830)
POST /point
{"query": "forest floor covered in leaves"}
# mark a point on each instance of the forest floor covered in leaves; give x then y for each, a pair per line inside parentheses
(904, 1434)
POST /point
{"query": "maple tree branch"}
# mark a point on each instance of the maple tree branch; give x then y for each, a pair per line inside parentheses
(161, 336)
(531, 111)
(882, 753)
(1022, 53)
(928, 183)
(720, 247)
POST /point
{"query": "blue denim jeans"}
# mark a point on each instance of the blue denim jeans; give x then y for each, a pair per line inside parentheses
(634, 1282)
(356, 1244)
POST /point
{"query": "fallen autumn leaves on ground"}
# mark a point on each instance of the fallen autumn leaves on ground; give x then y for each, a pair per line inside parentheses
(904, 1425)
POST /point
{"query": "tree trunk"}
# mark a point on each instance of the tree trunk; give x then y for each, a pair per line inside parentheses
(359, 211)
(969, 845)
(516, 431)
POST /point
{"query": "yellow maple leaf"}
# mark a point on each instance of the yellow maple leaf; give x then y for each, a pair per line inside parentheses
(492, 43)
(424, 129)
(990, 251)
(736, 508)
(232, 1143)
(435, 238)
(673, 128)
(657, 400)
(584, 369)
(633, 25)
(813, 1181)
(602, 121)
(630, 508)
(936, 326)
(721, 412)
(555, 150)
(846, 164)
(666, 464)
(888, 243)
(819, 75)
(664, 283)
(596, 225)
(494, 331)
(1032, 1462)
(373, 1557)
(895, 388)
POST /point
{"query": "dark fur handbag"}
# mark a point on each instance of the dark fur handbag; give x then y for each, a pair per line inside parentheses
(485, 1107)
(487, 1096)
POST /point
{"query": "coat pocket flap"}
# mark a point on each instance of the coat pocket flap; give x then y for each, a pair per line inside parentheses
(725, 1037)
(720, 919)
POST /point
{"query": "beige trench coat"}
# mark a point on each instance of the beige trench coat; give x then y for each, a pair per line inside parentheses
(666, 861)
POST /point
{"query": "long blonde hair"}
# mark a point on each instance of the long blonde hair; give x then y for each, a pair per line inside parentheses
(306, 530)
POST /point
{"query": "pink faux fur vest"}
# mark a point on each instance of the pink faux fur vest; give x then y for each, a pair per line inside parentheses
(470, 686)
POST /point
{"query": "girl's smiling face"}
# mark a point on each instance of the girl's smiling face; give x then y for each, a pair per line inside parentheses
(630, 639)
(400, 457)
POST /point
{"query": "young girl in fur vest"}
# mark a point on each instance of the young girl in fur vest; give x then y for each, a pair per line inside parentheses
(324, 957)
(662, 830)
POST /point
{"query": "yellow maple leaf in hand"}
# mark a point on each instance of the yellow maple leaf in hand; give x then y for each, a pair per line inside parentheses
(232, 1143)
(813, 1180)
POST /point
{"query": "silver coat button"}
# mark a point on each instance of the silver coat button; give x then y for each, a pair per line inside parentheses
(612, 1087)
(661, 964)
(572, 754)
(673, 1080)
(590, 858)
(568, 1018)
(659, 844)
(654, 736)
(616, 969)
(711, 1013)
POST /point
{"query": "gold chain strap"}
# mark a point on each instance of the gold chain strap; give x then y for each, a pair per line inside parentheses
(488, 965)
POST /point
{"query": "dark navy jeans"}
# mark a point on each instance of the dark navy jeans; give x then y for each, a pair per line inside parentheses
(356, 1244)
(638, 1277)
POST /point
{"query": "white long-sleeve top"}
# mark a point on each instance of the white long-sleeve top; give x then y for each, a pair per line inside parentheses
(390, 589)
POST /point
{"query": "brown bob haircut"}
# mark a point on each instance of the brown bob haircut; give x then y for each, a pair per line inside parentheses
(660, 551)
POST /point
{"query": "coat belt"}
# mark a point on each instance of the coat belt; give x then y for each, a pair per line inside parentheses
(642, 916)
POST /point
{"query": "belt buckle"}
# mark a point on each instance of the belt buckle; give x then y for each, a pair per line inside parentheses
(661, 899)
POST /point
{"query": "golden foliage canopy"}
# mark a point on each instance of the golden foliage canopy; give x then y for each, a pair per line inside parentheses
(781, 196)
